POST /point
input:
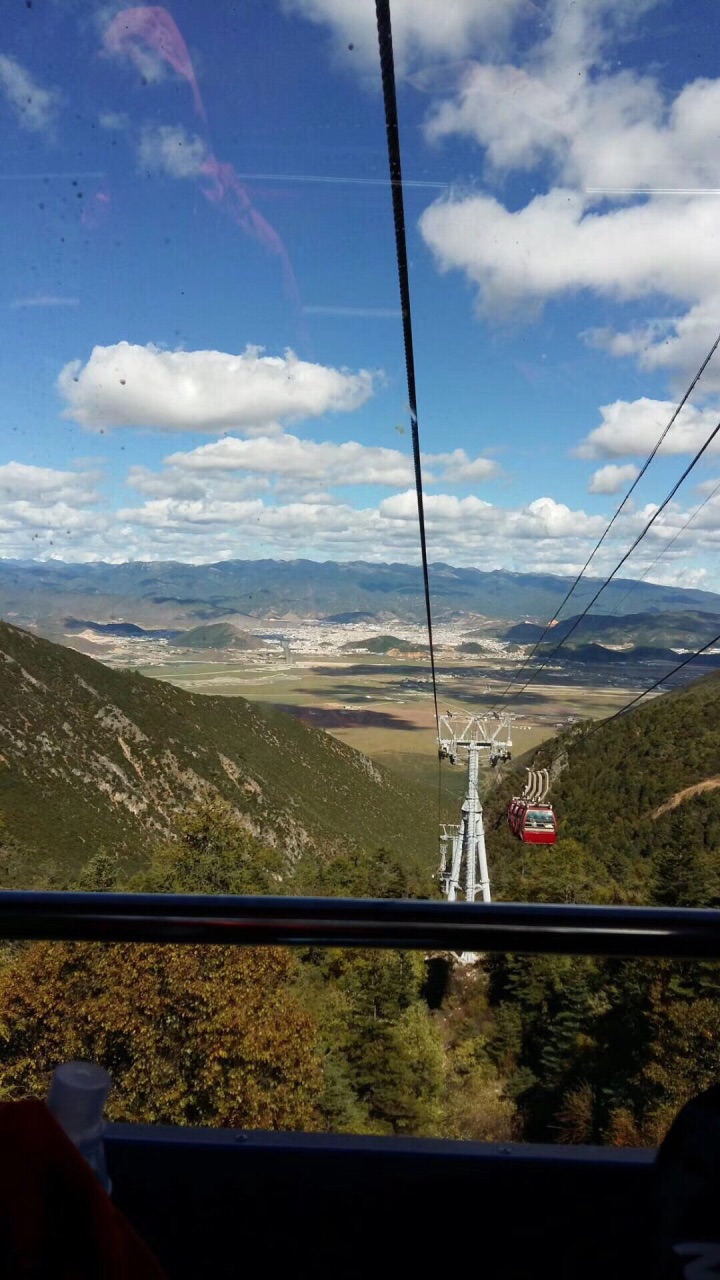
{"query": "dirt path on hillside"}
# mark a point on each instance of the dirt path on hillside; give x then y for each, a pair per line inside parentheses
(686, 794)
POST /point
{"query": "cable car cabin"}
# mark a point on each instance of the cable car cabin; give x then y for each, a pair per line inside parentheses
(534, 823)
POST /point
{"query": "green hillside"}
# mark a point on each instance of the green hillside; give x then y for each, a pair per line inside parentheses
(609, 782)
(597, 1050)
(94, 757)
(218, 635)
(385, 644)
(686, 629)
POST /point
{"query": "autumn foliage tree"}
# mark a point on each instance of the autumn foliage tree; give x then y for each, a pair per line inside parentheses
(208, 1035)
(189, 1035)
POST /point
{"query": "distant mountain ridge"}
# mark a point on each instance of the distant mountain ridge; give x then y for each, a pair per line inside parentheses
(687, 629)
(597, 655)
(176, 595)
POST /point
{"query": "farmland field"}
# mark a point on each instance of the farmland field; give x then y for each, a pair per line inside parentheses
(383, 707)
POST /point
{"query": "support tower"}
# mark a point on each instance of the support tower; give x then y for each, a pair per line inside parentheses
(463, 864)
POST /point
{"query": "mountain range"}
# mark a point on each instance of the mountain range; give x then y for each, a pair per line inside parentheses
(176, 595)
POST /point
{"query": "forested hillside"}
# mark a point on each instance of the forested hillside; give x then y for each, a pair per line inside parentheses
(91, 757)
(688, 628)
(599, 1050)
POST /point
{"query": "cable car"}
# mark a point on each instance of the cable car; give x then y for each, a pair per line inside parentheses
(532, 823)
(530, 818)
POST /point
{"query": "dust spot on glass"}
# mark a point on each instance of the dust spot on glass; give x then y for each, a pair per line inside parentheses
(122, 382)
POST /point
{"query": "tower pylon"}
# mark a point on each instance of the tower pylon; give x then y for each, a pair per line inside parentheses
(465, 873)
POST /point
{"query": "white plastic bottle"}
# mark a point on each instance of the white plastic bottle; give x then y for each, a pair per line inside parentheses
(78, 1091)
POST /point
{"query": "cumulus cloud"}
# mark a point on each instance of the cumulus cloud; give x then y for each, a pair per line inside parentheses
(132, 386)
(223, 518)
(603, 133)
(287, 455)
(44, 511)
(180, 483)
(171, 150)
(632, 428)
(668, 342)
(555, 245)
(458, 468)
(21, 482)
(181, 512)
(612, 478)
(348, 463)
(34, 108)
(418, 33)
(543, 533)
(627, 165)
(542, 518)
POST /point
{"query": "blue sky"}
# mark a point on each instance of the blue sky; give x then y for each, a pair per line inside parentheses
(202, 351)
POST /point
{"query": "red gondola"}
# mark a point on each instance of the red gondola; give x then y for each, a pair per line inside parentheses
(529, 817)
(531, 822)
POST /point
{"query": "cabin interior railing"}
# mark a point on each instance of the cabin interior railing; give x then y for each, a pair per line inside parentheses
(415, 925)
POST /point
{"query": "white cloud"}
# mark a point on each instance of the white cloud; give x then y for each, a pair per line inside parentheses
(287, 455)
(169, 149)
(35, 108)
(542, 518)
(43, 511)
(43, 300)
(544, 535)
(52, 519)
(599, 138)
(176, 482)
(126, 37)
(297, 463)
(555, 246)
(132, 386)
(419, 31)
(20, 481)
(179, 512)
(612, 478)
(227, 520)
(458, 468)
(601, 133)
(669, 342)
(113, 120)
(632, 428)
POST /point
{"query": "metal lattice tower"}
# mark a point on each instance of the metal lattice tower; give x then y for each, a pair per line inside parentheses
(463, 863)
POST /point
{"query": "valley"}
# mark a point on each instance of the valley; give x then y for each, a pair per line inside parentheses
(144, 746)
(365, 678)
